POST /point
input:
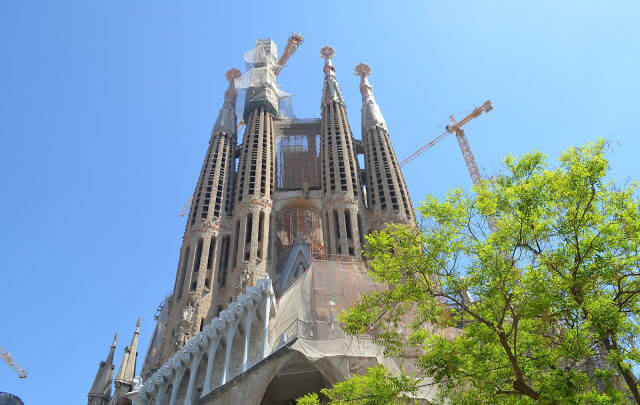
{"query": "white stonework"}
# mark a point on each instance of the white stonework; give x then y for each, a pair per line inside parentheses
(238, 320)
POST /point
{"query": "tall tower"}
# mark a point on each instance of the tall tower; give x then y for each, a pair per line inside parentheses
(127, 370)
(205, 244)
(271, 251)
(341, 190)
(387, 195)
(255, 181)
(100, 392)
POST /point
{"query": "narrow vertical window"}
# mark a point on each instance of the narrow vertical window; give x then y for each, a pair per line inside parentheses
(247, 241)
(347, 222)
(327, 234)
(222, 264)
(212, 250)
(196, 262)
(183, 271)
(260, 232)
(236, 244)
(360, 231)
(336, 223)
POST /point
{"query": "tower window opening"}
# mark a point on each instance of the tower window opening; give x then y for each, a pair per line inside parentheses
(360, 231)
(347, 222)
(260, 232)
(336, 223)
(248, 231)
(196, 262)
(236, 244)
(222, 266)
(183, 271)
(212, 250)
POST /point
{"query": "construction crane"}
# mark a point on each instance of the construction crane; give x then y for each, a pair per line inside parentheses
(456, 126)
(6, 356)
(185, 209)
(295, 40)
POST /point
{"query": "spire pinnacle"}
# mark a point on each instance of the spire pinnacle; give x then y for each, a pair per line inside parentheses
(227, 115)
(327, 53)
(330, 91)
(371, 114)
(128, 365)
(101, 387)
(363, 70)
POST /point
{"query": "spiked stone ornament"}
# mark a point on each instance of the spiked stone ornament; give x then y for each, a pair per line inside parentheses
(327, 53)
(363, 70)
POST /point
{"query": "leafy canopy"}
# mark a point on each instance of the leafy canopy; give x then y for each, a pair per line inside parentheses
(543, 308)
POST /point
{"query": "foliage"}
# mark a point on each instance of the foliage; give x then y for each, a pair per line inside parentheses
(525, 292)
(377, 387)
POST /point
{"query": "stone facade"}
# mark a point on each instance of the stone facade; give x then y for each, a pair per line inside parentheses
(271, 252)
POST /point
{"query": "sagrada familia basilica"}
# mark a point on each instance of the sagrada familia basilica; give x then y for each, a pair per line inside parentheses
(271, 253)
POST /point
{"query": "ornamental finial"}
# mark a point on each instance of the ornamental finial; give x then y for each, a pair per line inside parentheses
(138, 323)
(232, 74)
(363, 70)
(115, 339)
(327, 53)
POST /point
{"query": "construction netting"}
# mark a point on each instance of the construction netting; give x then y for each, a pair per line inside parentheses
(308, 310)
(310, 307)
(259, 81)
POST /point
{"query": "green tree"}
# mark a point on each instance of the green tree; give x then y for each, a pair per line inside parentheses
(544, 308)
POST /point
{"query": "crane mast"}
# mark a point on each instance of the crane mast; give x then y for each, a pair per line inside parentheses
(467, 154)
(294, 41)
(6, 356)
(464, 143)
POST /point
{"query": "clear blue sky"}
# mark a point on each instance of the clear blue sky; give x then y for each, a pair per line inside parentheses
(106, 108)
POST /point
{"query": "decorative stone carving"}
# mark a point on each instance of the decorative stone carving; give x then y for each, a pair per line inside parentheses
(259, 298)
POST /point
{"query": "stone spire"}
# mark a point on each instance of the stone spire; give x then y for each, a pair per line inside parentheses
(128, 366)
(205, 241)
(100, 392)
(330, 89)
(127, 369)
(341, 189)
(227, 120)
(371, 114)
(387, 192)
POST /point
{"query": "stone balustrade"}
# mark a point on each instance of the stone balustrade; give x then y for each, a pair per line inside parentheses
(227, 346)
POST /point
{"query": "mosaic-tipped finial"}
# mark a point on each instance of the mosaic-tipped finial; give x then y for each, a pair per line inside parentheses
(115, 339)
(232, 74)
(327, 53)
(138, 323)
(363, 70)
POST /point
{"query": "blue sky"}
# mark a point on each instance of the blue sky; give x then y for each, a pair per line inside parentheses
(106, 108)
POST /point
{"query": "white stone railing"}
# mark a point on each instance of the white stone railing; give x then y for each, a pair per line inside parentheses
(234, 324)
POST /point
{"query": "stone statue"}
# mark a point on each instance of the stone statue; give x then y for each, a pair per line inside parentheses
(188, 312)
